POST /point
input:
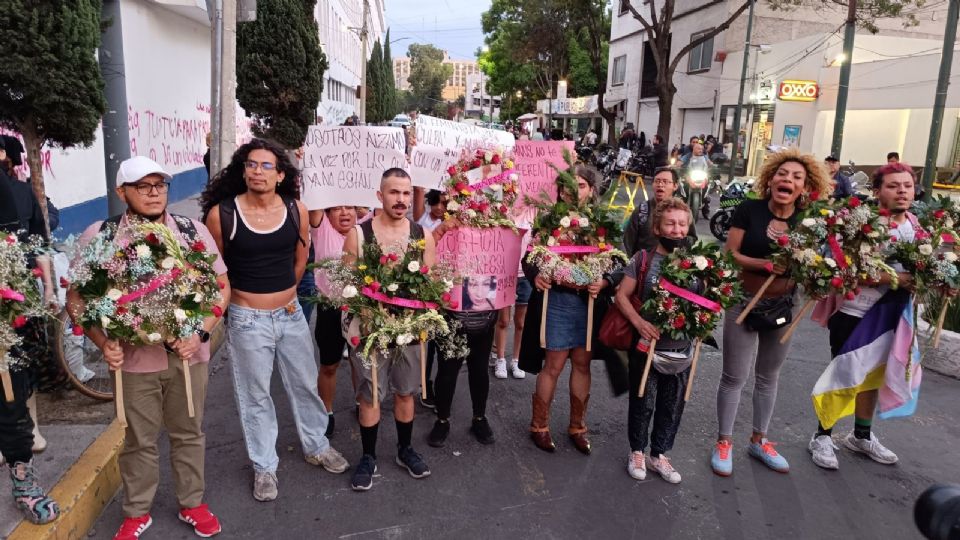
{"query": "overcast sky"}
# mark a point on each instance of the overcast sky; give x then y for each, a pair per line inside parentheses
(452, 25)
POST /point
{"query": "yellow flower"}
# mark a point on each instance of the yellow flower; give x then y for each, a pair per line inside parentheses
(421, 243)
(824, 212)
(368, 279)
(817, 259)
(602, 245)
(465, 192)
(423, 335)
(848, 259)
(508, 164)
(362, 267)
(446, 215)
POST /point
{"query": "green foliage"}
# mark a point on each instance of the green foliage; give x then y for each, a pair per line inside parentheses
(428, 75)
(388, 92)
(50, 84)
(280, 69)
(375, 85)
(867, 12)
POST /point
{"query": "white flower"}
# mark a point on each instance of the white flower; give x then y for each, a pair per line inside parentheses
(925, 249)
(414, 266)
(839, 221)
(809, 222)
(198, 298)
(167, 263)
(584, 221)
(493, 187)
(809, 255)
(873, 234)
(488, 156)
(948, 222)
(727, 273)
(513, 177)
(551, 241)
(393, 287)
(865, 248)
(180, 315)
(114, 294)
(143, 251)
(830, 262)
(105, 322)
(950, 256)
(453, 206)
(700, 262)
(349, 291)
(404, 339)
(565, 221)
(471, 213)
(154, 337)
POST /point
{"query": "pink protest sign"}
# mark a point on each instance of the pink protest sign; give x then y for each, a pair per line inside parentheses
(487, 261)
(532, 160)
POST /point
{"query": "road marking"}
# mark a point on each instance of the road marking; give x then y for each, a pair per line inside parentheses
(394, 528)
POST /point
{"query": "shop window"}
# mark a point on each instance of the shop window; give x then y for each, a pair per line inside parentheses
(624, 7)
(701, 56)
(619, 70)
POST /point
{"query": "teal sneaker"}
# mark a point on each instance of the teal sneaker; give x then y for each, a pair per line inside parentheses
(765, 452)
(722, 459)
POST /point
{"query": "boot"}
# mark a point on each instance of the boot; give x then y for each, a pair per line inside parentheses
(540, 425)
(578, 429)
(29, 496)
(39, 443)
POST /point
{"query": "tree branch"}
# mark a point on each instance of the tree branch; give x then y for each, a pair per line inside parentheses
(723, 26)
(636, 15)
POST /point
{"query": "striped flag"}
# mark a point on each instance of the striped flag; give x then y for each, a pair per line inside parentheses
(876, 356)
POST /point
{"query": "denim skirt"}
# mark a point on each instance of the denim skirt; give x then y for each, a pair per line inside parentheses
(566, 320)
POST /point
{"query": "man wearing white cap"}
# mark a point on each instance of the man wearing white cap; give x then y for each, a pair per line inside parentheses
(153, 375)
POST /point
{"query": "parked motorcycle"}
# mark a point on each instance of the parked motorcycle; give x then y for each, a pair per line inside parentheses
(736, 192)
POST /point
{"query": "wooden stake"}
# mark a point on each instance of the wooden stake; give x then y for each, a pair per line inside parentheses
(646, 367)
(796, 321)
(543, 320)
(756, 298)
(376, 386)
(940, 319)
(5, 379)
(118, 398)
(589, 324)
(693, 370)
(187, 381)
(423, 369)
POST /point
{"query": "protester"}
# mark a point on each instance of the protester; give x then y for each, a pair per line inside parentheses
(893, 186)
(590, 139)
(785, 182)
(638, 235)
(428, 211)
(328, 234)
(251, 208)
(893, 157)
(391, 230)
(627, 137)
(841, 182)
(153, 374)
(663, 398)
(524, 290)
(660, 152)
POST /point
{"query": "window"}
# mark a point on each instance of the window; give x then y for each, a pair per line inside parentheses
(648, 74)
(624, 7)
(619, 70)
(701, 56)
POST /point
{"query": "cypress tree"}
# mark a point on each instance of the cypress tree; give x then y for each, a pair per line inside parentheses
(280, 70)
(389, 83)
(375, 85)
(51, 89)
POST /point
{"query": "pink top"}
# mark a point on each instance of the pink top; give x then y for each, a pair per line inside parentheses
(153, 358)
(327, 244)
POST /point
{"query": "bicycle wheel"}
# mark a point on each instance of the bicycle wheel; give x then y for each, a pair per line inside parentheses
(83, 362)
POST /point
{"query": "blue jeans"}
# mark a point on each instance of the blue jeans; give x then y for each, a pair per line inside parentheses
(307, 288)
(256, 339)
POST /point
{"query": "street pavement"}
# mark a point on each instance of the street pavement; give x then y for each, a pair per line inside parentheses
(512, 490)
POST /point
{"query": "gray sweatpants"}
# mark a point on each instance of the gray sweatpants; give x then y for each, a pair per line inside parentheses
(741, 347)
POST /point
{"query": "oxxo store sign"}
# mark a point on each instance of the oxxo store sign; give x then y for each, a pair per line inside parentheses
(798, 91)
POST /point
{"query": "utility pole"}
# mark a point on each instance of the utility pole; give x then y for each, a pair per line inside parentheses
(943, 82)
(848, 34)
(223, 82)
(743, 82)
(363, 64)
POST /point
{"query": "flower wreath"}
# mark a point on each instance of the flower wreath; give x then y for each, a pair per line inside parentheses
(20, 298)
(482, 202)
(682, 314)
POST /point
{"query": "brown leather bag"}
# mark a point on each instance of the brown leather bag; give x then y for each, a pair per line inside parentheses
(616, 332)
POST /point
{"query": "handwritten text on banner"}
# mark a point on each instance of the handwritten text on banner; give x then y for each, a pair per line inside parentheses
(487, 260)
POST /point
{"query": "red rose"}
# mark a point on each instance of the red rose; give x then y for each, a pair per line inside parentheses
(679, 322)
(424, 269)
(557, 233)
(445, 297)
(199, 246)
(709, 263)
(37, 272)
(921, 265)
(893, 225)
(454, 304)
(477, 163)
(355, 340)
(19, 321)
(217, 311)
(375, 286)
(496, 159)
(836, 283)
(77, 330)
(152, 238)
(64, 283)
(452, 171)
(393, 257)
(815, 195)
(867, 229)
(601, 231)
(831, 221)
(783, 240)
(483, 207)
(884, 212)
(460, 186)
(503, 209)
(726, 290)
(344, 308)
(849, 295)
(574, 222)
(853, 202)
(121, 310)
(685, 264)
(939, 214)
(383, 259)
(893, 238)
(668, 304)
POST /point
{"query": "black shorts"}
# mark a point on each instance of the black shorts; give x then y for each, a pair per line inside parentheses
(841, 326)
(329, 336)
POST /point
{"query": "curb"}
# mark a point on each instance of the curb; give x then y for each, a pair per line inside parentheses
(91, 482)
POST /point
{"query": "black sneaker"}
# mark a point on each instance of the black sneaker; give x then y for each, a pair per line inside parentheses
(481, 430)
(429, 401)
(438, 435)
(363, 475)
(330, 425)
(409, 459)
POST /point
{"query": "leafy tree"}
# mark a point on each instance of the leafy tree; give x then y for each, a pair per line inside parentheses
(280, 70)
(375, 85)
(428, 75)
(389, 85)
(51, 89)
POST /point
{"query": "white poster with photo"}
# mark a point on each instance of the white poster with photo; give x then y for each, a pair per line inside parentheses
(342, 165)
(440, 144)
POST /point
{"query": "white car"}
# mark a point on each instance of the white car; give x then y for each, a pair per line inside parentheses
(400, 120)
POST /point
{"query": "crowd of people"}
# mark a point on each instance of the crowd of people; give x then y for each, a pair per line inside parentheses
(263, 238)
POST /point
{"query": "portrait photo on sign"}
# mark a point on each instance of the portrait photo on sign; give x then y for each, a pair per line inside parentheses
(479, 293)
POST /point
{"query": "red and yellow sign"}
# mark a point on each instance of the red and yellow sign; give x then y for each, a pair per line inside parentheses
(798, 91)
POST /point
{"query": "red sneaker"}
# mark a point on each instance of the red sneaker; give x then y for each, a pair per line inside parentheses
(205, 524)
(132, 528)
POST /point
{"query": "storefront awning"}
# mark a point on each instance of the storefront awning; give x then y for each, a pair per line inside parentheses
(581, 107)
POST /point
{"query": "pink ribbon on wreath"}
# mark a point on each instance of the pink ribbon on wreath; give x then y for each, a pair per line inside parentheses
(690, 296)
(837, 252)
(154, 284)
(492, 180)
(566, 250)
(402, 302)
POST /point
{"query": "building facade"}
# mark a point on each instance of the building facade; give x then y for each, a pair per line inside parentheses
(454, 88)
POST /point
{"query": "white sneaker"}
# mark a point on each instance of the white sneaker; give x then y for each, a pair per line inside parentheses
(871, 447)
(515, 369)
(500, 371)
(637, 466)
(662, 465)
(822, 451)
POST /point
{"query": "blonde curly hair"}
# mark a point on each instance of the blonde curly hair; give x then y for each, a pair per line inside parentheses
(817, 180)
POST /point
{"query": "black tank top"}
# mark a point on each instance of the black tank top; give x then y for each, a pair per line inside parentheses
(369, 237)
(262, 262)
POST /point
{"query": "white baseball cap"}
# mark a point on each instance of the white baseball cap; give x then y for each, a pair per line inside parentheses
(134, 169)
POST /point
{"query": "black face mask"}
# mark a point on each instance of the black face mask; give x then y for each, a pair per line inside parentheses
(671, 244)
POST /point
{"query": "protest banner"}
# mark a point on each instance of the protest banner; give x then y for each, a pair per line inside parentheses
(440, 143)
(342, 165)
(487, 261)
(532, 160)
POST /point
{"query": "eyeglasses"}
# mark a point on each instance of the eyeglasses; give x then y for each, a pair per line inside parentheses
(146, 189)
(661, 182)
(266, 166)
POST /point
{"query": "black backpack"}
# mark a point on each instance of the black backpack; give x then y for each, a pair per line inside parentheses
(228, 219)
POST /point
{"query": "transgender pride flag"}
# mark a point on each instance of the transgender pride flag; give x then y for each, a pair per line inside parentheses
(874, 357)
